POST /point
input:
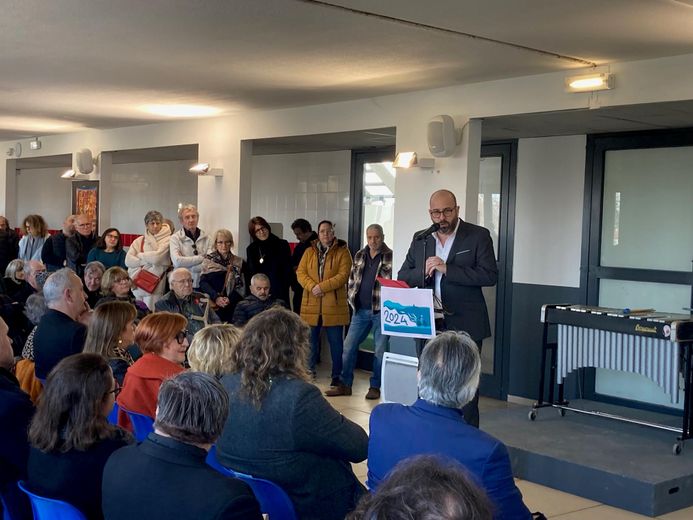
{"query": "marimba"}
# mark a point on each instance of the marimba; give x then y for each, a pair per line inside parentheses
(654, 344)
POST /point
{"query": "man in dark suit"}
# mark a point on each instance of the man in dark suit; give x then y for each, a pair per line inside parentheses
(448, 377)
(59, 333)
(456, 262)
(191, 413)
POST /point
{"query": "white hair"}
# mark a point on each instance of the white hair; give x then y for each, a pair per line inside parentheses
(57, 283)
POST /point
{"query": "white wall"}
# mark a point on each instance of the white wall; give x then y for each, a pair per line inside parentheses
(226, 200)
(43, 192)
(548, 210)
(314, 186)
(136, 188)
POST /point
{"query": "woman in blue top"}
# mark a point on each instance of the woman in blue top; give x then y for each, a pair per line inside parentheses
(108, 250)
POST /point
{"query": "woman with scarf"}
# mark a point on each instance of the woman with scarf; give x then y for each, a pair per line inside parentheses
(150, 252)
(31, 243)
(225, 276)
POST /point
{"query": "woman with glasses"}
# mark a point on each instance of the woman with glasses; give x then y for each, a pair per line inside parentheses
(224, 275)
(111, 332)
(108, 250)
(70, 436)
(162, 337)
(117, 286)
(270, 255)
(36, 233)
(150, 252)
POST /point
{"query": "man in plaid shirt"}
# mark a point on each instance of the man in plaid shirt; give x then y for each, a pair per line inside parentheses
(371, 262)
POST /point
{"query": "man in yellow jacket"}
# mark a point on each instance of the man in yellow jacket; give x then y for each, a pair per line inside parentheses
(323, 274)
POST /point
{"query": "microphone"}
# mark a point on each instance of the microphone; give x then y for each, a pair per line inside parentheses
(427, 232)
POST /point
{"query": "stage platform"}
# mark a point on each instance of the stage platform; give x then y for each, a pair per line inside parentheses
(624, 465)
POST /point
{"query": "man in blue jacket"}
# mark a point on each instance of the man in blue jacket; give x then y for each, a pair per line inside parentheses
(449, 371)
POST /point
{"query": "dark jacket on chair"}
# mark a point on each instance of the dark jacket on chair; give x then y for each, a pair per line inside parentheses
(57, 336)
(189, 488)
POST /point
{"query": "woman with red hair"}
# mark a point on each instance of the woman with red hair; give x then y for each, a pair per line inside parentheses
(162, 337)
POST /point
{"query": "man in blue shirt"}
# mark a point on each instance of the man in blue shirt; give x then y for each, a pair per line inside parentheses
(449, 371)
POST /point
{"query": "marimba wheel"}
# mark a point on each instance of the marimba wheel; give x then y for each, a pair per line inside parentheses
(532, 415)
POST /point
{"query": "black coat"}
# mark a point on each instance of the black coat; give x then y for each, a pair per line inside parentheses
(298, 441)
(471, 265)
(273, 258)
(77, 249)
(57, 336)
(172, 480)
(74, 476)
(252, 305)
(9, 248)
(54, 252)
(16, 411)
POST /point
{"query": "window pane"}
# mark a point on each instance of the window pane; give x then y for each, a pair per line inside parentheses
(379, 198)
(648, 209)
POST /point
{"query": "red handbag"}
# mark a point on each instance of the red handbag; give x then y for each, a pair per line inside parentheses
(146, 280)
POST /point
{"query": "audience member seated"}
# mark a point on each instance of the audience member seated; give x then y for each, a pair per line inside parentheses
(281, 428)
(190, 244)
(182, 299)
(71, 438)
(16, 410)
(116, 286)
(192, 410)
(224, 275)
(259, 300)
(93, 274)
(270, 255)
(111, 332)
(31, 244)
(108, 250)
(34, 310)
(422, 488)
(449, 371)
(14, 291)
(79, 244)
(163, 340)
(211, 349)
(35, 275)
(9, 243)
(54, 252)
(305, 235)
(150, 252)
(59, 333)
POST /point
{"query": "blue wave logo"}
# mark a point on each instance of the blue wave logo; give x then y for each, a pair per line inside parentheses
(406, 318)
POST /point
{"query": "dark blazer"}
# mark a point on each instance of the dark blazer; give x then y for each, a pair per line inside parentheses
(57, 336)
(275, 254)
(75, 476)
(187, 486)
(298, 441)
(398, 432)
(471, 265)
(77, 248)
(9, 247)
(16, 411)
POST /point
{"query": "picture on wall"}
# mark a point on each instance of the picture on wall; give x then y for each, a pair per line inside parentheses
(85, 200)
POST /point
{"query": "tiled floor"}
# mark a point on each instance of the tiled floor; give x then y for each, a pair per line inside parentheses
(553, 503)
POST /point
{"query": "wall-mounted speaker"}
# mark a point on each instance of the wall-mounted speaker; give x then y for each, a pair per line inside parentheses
(84, 161)
(442, 136)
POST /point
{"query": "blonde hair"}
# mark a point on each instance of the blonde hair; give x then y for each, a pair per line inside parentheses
(211, 349)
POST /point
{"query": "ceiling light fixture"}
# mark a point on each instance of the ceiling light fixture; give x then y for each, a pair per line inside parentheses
(35, 144)
(589, 82)
(181, 110)
(411, 160)
(204, 169)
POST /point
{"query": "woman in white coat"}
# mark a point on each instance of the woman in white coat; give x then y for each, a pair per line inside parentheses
(150, 252)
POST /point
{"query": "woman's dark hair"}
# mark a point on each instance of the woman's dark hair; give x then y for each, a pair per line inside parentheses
(69, 415)
(101, 241)
(425, 487)
(254, 222)
(302, 224)
(274, 343)
(38, 224)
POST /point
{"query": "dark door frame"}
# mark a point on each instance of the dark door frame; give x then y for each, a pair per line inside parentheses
(496, 385)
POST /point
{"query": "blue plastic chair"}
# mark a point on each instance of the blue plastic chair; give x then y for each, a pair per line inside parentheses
(113, 416)
(273, 499)
(51, 509)
(5, 509)
(142, 424)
